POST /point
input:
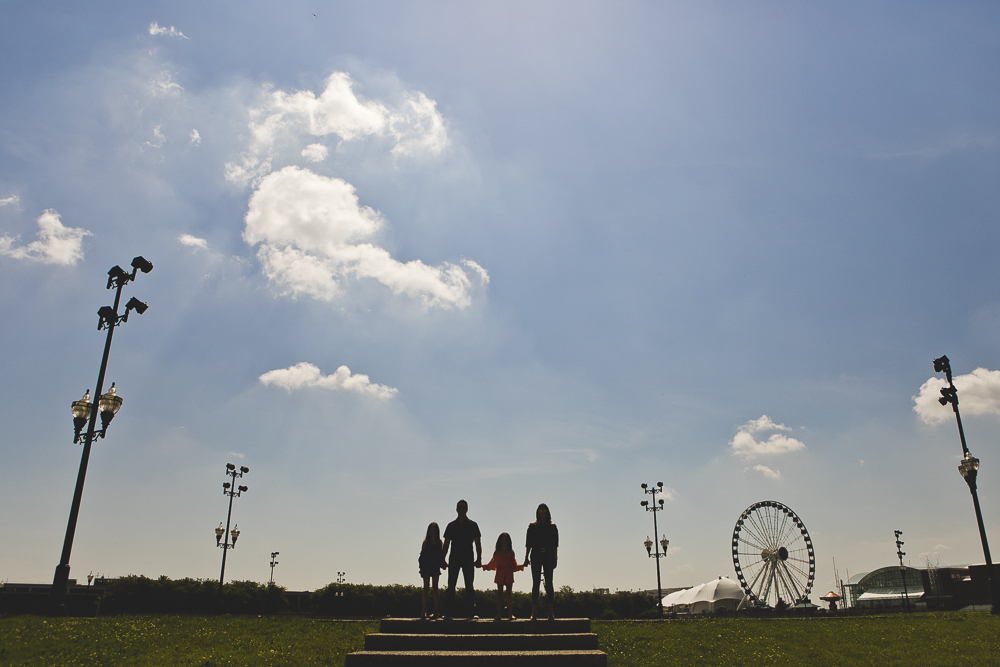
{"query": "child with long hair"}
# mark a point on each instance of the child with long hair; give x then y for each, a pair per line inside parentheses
(431, 560)
(506, 565)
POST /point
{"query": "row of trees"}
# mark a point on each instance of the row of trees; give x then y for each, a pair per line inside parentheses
(138, 594)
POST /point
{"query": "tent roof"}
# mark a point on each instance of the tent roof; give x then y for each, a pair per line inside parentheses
(723, 588)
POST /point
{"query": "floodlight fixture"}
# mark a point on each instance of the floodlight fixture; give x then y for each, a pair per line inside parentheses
(244, 469)
(142, 264)
(117, 276)
(136, 305)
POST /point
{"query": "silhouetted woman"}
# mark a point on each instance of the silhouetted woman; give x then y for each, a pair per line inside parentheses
(541, 545)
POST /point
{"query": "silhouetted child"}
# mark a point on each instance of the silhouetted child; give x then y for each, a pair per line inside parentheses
(506, 565)
(431, 561)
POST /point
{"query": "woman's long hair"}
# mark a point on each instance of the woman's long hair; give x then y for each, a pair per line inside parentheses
(538, 514)
(504, 543)
(433, 535)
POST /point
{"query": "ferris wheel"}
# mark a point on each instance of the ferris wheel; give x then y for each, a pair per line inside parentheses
(773, 555)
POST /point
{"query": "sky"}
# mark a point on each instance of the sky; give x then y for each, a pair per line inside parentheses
(411, 252)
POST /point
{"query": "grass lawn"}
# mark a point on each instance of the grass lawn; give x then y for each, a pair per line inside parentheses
(899, 639)
(154, 640)
(215, 641)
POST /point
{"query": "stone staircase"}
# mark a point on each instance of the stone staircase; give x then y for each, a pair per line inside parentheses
(565, 642)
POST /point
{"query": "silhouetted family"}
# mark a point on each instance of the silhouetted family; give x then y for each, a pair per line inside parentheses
(461, 535)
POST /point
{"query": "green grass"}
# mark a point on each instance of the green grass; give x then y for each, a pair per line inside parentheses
(912, 639)
(205, 641)
(217, 641)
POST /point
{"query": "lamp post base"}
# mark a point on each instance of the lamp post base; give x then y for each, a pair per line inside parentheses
(60, 584)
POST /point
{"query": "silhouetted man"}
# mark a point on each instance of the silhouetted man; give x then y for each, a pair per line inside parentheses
(460, 535)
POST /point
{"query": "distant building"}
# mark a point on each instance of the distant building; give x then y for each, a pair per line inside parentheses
(942, 588)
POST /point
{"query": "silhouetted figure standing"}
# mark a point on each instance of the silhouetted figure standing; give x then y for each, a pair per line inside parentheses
(541, 545)
(460, 535)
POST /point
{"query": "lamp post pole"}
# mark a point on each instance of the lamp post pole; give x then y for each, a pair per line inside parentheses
(229, 489)
(902, 569)
(107, 405)
(273, 563)
(654, 508)
(969, 468)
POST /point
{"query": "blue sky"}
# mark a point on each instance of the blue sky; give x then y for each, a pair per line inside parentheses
(560, 248)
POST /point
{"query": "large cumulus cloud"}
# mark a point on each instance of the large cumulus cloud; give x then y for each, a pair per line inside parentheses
(315, 235)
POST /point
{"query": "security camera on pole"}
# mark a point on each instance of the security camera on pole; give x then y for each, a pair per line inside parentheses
(85, 412)
(229, 489)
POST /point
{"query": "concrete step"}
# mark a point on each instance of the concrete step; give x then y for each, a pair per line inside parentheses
(488, 642)
(477, 658)
(411, 626)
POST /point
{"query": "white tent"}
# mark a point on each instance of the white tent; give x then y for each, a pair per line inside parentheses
(716, 594)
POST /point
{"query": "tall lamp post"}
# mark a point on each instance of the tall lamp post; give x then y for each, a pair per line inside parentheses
(85, 411)
(273, 563)
(656, 506)
(969, 468)
(229, 489)
(902, 569)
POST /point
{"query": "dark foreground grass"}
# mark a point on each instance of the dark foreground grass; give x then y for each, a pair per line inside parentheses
(217, 641)
(899, 639)
(154, 640)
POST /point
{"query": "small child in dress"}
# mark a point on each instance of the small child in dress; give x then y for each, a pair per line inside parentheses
(431, 557)
(506, 565)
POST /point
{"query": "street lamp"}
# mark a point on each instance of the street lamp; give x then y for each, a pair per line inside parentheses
(902, 568)
(222, 535)
(85, 412)
(969, 468)
(656, 506)
(273, 563)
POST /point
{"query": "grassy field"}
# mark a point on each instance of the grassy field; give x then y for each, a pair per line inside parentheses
(216, 641)
(912, 639)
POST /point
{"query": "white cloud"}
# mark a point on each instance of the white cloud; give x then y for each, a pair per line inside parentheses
(746, 445)
(164, 85)
(416, 125)
(195, 138)
(193, 241)
(156, 29)
(13, 199)
(767, 472)
(315, 152)
(978, 394)
(238, 455)
(313, 234)
(56, 244)
(763, 424)
(160, 139)
(304, 375)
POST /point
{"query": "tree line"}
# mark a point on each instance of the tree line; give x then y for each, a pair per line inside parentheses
(139, 594)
